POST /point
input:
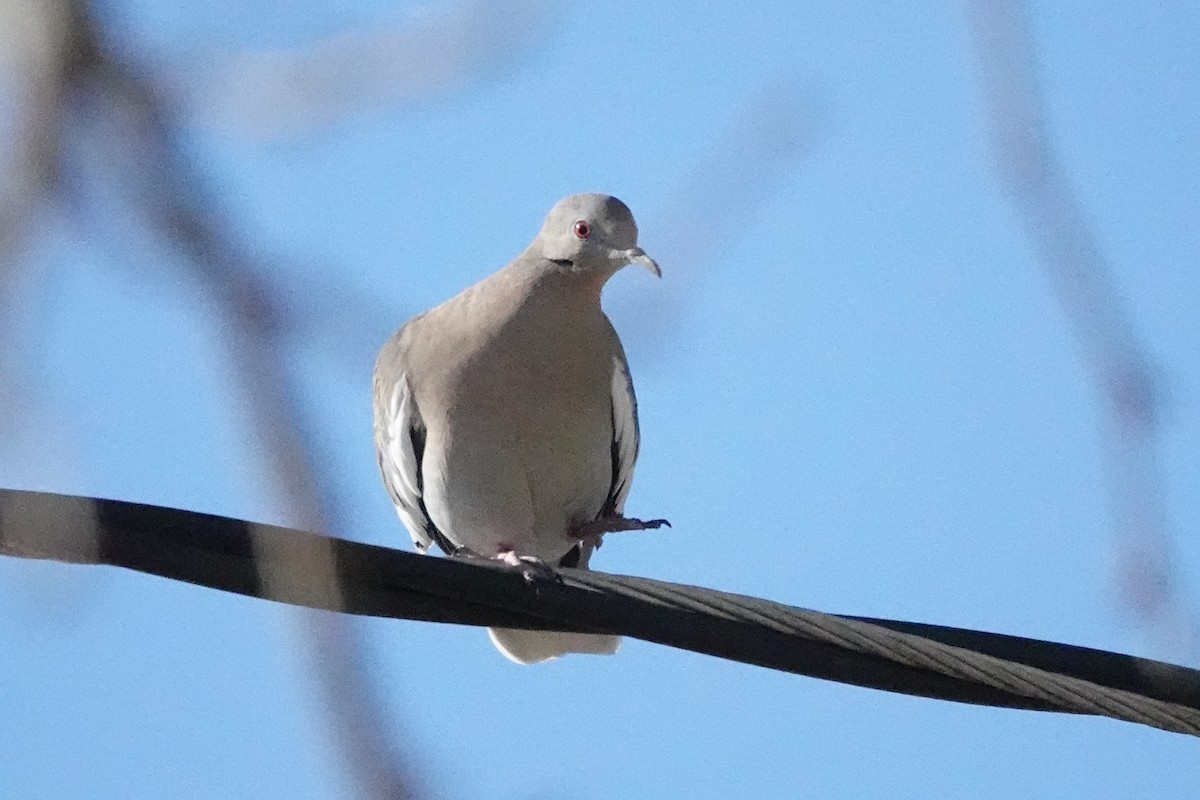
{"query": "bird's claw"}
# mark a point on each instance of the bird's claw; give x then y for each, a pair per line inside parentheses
(598, 527)
(532, 569)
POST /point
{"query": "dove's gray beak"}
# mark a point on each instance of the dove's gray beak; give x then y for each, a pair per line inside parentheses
(636, 255)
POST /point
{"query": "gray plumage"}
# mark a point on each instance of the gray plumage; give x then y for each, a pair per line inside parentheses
(505, 418)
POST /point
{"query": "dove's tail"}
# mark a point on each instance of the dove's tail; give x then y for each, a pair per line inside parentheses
(530, 647)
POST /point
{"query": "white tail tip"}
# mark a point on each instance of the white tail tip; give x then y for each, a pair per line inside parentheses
(533, 647)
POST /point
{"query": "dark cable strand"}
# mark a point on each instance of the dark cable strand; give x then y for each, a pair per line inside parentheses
(912, 658)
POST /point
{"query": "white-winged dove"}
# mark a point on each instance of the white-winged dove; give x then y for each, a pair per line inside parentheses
(505, 418)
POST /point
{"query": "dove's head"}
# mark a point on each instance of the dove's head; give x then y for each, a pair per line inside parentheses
(593, 232)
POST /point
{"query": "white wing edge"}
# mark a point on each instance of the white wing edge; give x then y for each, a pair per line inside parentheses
(399, 463)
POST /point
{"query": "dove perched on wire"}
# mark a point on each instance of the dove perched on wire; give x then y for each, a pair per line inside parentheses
(505, 419)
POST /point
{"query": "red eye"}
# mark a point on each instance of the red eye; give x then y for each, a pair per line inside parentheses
(582, 229)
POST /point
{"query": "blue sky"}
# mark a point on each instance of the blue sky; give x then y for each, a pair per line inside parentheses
(866, 400)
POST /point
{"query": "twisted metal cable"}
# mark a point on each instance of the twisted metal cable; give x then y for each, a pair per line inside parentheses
(911, 658)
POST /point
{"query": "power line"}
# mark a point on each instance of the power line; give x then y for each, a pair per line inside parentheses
(275, 563)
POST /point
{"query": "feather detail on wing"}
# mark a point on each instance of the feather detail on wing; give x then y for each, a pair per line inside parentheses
(400, 442)
(626, 438)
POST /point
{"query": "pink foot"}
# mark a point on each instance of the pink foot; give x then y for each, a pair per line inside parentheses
(596, 528)
(532, 569)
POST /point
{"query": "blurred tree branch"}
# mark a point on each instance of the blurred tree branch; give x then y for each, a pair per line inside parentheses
(33, 67)
(780, 125)
(427, 54)
(1122, 370)
(114, 112)
(172, 199)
